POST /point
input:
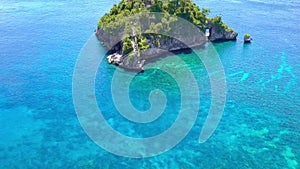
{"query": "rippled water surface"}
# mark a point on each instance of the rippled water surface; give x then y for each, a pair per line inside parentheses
(260, 128)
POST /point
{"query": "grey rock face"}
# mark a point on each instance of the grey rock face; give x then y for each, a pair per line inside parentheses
(158, 45)
(217, 35)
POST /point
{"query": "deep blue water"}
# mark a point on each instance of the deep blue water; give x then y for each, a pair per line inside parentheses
(260, 127)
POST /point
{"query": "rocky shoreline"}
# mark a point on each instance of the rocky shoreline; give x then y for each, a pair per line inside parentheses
(167, 45)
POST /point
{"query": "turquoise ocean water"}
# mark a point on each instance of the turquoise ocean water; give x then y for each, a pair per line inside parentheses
(260, 128)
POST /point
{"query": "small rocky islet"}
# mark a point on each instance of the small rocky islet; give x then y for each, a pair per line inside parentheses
(132, 42)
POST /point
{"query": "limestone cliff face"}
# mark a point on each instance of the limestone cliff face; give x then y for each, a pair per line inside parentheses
(158, 45)
(220, 35)
(110, 41)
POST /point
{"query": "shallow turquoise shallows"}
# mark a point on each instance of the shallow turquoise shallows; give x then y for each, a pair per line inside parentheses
(260, 128)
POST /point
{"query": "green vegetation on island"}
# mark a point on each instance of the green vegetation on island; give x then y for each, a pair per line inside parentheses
(135, 40)
(181, 8)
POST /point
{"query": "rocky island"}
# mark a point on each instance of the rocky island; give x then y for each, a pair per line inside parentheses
(137, 31)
